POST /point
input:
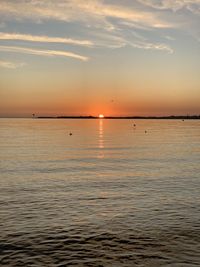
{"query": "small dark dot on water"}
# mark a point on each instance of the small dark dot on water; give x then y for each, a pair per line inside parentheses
(70, 133)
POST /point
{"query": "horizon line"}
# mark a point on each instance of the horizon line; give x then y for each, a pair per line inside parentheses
(193, 116)
(120, 117)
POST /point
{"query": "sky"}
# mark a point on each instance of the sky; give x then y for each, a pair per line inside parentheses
(90, 57)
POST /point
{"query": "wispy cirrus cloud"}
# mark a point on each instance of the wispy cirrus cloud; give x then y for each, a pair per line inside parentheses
(153, 46)
(104, 22)
(135, 40)
(44, 39)
(192, 5)
(11, 65)
(93, 12)
(106, 40)
(40, 52)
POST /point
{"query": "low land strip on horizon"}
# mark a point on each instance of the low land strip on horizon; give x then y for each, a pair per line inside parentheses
(182, 117)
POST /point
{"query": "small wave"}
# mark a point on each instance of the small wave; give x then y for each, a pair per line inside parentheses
(83, 247)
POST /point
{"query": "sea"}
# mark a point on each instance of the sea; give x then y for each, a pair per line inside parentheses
(109, 194)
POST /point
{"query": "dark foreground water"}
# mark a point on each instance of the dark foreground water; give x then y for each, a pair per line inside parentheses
(109, 195)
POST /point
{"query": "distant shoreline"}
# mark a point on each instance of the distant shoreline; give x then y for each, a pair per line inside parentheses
(192, 117)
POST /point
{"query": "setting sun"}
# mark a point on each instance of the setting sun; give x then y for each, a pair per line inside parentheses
(101, 116)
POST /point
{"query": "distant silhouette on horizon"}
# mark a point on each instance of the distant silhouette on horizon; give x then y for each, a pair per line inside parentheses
(171, 117)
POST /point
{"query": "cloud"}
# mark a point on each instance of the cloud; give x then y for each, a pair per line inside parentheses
(103, 40)
(45, 39)
(10, 65)
(183, 14)
(47, 53)
(94, 12)
(192, 5)
(105, 22)
(133, 39)
(153, 46)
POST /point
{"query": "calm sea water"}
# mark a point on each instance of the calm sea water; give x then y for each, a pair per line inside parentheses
(109, 195)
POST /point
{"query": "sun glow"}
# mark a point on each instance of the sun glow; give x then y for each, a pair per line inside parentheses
(101, 116)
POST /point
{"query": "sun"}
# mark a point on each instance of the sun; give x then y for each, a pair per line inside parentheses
(101, 116)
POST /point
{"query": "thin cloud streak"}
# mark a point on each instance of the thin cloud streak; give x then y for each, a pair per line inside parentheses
(112, 41)
(152, 46)
(138, 41)
(192, 5)
(47, 53)
(10, 65)
(44, 39)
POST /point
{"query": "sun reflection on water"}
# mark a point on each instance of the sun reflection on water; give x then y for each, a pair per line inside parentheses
(101, 139)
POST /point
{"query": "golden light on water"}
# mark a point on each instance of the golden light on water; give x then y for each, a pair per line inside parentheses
(101, 140)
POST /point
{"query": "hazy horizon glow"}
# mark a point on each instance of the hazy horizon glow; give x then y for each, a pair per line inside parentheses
(91, 57)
